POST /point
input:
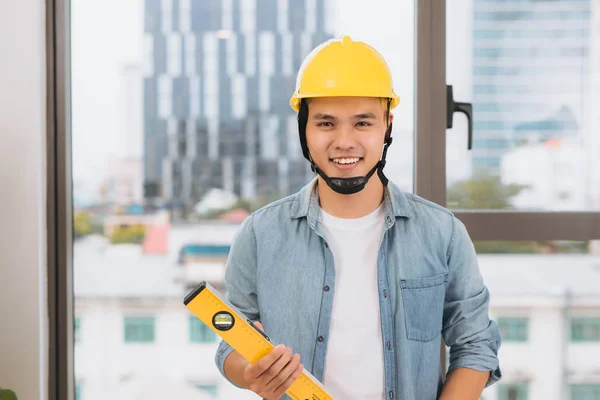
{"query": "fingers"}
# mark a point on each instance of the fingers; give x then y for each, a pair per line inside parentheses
(275, 368)
(255, 371)
(259, 326)
(280, 390)
(281, 370)
(274, 373)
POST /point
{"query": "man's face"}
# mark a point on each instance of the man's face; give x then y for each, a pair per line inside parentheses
(345, 135)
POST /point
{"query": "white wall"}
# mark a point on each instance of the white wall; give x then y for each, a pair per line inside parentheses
(545, 341)
(23, 349)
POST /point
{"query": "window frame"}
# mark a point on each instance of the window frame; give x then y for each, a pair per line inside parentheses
(430, 150)
(520, 387)
(59, 217)
(428, 181)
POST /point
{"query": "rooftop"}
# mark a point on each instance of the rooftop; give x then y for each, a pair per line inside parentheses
(104, 270)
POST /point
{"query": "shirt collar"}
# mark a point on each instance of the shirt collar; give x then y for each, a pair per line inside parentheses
(306, 202)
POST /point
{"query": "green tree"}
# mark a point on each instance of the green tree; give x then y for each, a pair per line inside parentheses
(82, 224)
(7, 394)
(85, 223)
(133, 234)
(482, 192)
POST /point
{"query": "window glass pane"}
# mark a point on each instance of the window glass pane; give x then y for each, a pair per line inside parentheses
(181, 127)
(212, 389)
(513, 329)
(513, 391)
(77, 323)
(139, 329)
(585, 329)
(78, 395)
(531, 69)
(585, 391)
(200, 333)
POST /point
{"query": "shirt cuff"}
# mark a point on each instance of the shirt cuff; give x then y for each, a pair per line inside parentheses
(223, 351)
(477, 364)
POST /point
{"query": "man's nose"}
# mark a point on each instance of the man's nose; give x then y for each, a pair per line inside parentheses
(344, 138)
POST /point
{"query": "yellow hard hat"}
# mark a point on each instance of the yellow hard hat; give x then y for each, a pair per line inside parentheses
(343, 67)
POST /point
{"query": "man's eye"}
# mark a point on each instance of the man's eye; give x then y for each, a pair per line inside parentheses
(364, 123)
(324, 124)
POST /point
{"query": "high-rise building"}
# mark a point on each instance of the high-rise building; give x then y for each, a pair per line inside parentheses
(531, 75)
(218, 78)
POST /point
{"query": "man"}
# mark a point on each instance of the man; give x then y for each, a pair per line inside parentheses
(359, 280)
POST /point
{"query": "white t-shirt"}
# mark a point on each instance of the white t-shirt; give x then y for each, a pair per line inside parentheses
(354, 361)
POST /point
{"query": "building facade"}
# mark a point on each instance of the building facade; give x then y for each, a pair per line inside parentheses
(218, 77)
(130, 322)
(548, 310)
(532, 75)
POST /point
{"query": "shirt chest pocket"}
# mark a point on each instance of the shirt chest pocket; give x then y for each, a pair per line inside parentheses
(423, 300)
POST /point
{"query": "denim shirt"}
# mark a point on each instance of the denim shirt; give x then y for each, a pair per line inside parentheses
(430, 288)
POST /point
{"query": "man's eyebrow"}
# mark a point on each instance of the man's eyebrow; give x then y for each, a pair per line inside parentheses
(365, 115)
(321, 116)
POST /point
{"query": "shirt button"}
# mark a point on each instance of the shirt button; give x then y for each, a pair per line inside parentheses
(388, 219)
(320, 338)
(389, 345)
(391, 394)
(384, 293)
(326, 288)
(326, 245)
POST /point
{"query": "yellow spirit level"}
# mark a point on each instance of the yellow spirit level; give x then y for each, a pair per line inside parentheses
(206, 303)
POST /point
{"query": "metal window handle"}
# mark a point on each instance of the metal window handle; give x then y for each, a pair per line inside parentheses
(465, 108)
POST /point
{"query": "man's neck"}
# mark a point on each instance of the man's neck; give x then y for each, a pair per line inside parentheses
(351, 205)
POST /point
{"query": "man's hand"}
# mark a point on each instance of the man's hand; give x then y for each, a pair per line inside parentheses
(273, 374)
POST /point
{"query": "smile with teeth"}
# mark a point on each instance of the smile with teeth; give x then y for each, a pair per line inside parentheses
(345, 161)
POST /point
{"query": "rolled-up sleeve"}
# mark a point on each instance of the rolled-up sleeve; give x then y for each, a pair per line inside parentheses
(473, 338)
(240, 283)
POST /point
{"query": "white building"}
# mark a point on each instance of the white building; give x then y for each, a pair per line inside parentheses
(132, 327)
(555, 171)
(548, 308)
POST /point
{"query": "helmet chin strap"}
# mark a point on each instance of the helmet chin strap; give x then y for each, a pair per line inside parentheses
(340, 185)
(346, 185)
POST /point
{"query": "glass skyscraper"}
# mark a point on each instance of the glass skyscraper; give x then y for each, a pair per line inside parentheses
(219, 74)
(531, 74)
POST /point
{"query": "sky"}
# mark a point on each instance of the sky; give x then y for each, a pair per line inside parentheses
(107, 36)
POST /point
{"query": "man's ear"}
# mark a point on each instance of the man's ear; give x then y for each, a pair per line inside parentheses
(390, 118)
(386, 112)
